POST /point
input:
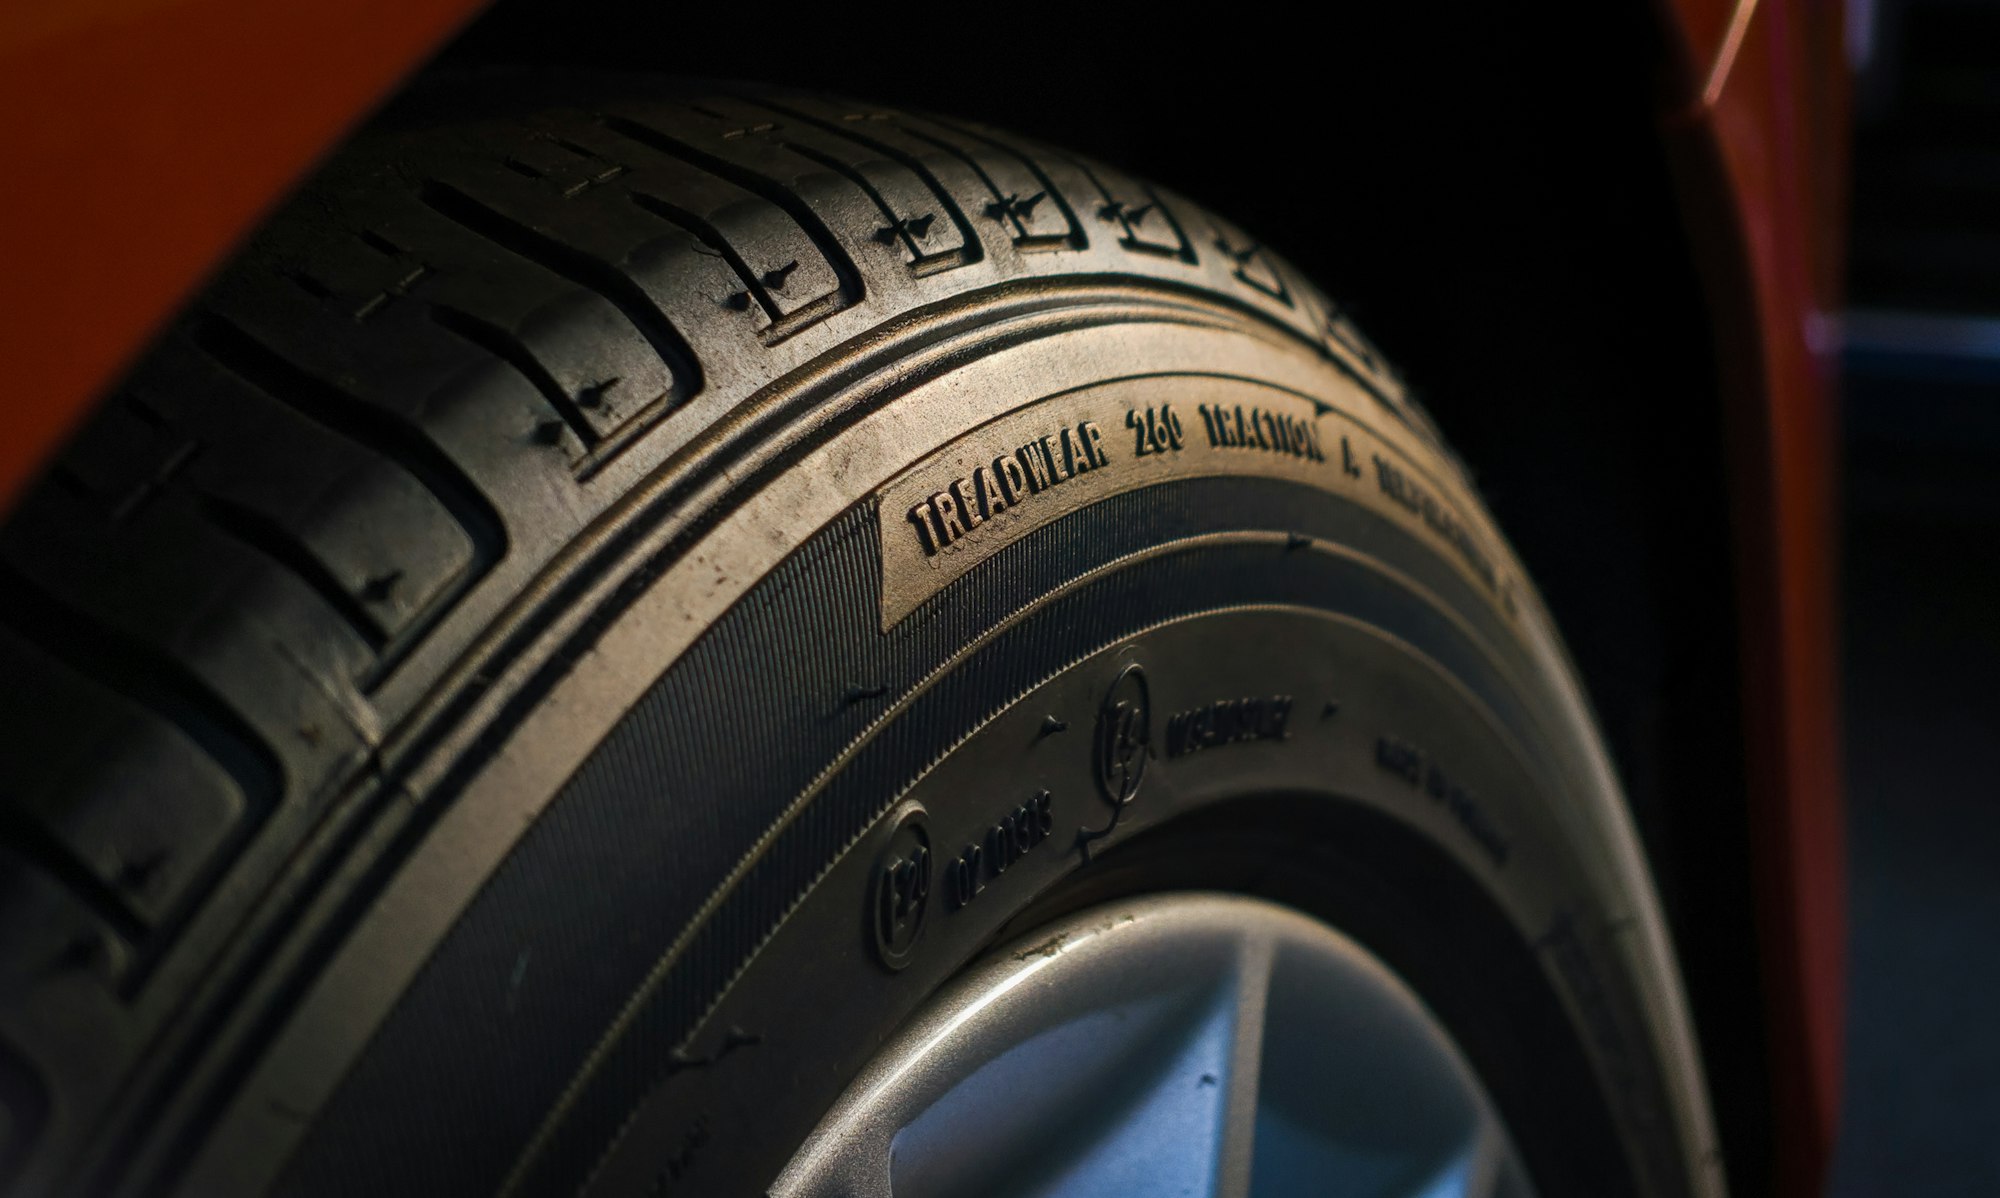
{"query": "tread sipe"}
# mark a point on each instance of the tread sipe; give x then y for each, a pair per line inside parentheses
(276, 590)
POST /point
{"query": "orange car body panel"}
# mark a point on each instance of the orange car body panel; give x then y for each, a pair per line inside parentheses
(141, 141)
(1758, 132)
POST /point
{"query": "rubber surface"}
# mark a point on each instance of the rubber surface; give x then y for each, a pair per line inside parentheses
(399, 528)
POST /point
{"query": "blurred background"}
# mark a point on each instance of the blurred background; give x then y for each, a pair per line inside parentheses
(1923, 605)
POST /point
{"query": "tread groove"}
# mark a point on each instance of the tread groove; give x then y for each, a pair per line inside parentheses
(510, 349)
(38, 847)
(600, 278)
(1077, 239)
(711, 237)
(1131, 241)
(288, 383)
(266, 536)
(972, 251)
(134, 672)
(175, 695)
(864, 186)
(385, 436)
(790, 202)
(959, 152)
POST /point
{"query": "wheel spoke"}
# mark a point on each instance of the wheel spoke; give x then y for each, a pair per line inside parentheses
(1195, 1045)
(1246, 1053)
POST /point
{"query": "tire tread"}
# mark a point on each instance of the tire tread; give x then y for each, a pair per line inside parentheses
(436, 366)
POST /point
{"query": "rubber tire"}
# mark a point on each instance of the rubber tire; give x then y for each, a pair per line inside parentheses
(469, 682)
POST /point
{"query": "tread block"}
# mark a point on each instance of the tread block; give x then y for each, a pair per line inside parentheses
(662, 219)
(1144, 223)
(268, 696)
(591, 363)
(50, 936)
(919, 215)
(64, 1033)
(1248, 260)
(1022, 201)
(381, 548)
(781, 269)
(145, 815)
(958, 176)
(384, 397)
(661, 278)
(125, 456)
(564, 165)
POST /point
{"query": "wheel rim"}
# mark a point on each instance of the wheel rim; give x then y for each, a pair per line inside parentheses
(1192, 1044)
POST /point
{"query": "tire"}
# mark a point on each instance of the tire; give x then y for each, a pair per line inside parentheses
(471, 682)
